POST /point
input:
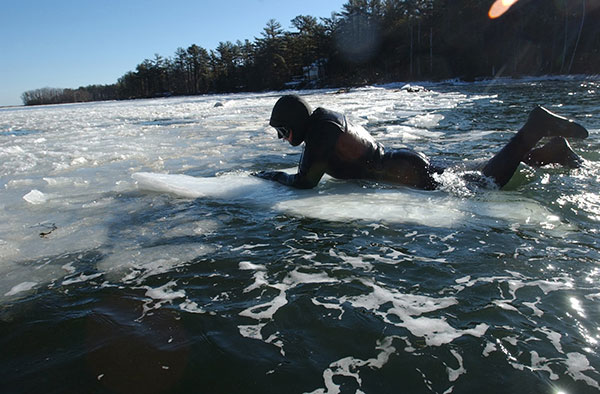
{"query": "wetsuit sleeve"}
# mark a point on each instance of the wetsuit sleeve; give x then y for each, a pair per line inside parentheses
(310, 172)
(319, 146)
(313, 164)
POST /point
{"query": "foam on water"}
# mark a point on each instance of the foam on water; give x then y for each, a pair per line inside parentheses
(349, 366)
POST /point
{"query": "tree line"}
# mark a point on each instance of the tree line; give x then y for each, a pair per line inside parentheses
(371, 41)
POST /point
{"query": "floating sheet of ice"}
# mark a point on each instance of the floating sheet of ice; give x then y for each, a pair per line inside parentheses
(344, 201)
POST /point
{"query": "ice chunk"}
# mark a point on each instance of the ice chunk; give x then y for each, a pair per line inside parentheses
(21, 287)
(35, 197)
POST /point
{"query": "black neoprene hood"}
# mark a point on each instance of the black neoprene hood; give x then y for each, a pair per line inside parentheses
(291, 111)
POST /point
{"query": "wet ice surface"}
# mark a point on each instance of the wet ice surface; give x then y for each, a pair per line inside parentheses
(351, 287)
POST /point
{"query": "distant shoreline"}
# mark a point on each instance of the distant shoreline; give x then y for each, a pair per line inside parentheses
(395, 84)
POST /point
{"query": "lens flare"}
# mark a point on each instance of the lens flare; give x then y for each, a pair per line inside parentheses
(500, 7)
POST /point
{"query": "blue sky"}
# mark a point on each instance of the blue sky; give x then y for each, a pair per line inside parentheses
(72, 43)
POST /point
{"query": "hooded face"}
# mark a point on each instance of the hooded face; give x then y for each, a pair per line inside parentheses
(290, 118)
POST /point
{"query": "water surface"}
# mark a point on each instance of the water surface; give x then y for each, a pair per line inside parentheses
(351, 287)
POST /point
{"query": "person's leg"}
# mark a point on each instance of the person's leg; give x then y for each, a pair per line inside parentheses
(556, 151)
(541, 123)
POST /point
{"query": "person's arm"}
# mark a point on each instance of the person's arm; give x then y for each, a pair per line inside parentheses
(319, 146)
(310, 170)
(299, 180)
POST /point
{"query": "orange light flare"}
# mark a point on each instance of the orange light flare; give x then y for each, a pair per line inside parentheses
(500, 7)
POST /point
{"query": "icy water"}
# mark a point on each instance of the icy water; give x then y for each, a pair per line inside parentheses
(106, 287)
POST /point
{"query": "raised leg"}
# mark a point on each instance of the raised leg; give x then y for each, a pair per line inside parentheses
(540, 123)
(556, 151)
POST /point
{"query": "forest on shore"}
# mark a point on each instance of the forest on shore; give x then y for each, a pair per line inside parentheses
(371, 41)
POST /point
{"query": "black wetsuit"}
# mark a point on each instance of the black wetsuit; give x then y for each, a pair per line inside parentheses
(344, 151)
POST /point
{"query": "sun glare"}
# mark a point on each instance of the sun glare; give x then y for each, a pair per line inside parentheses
(500, 7)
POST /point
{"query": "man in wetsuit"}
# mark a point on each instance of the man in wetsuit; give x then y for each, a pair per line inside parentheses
(335, 147)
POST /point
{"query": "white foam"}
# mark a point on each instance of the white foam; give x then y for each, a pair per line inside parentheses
(165, 292)
(161, 295)
(355, 262)
(246, 265)
(295, 278)
(80, 279)
(539, 363)
(454, 374)
(577, 364)
(553, 336)
(191, 307)
(547, 286)
(533, 306)
(505, 304)
(330, 305)
(252, 331)
(259, 277)
(408, 308)
(438, 332)
(267, 310)
(489, 348)
(350, 367)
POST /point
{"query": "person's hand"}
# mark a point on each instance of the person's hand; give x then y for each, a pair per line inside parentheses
(270, 175)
